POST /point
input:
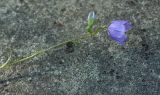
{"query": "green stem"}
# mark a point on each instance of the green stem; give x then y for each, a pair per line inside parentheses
(41, 52)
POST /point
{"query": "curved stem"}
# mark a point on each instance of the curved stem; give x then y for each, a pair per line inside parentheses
(9, 62)
(4, 64)
(40, 52)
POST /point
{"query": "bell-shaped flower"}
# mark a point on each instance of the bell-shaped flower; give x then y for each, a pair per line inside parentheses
(117, 29)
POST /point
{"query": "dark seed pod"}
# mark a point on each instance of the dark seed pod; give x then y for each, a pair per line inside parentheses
(69, 47)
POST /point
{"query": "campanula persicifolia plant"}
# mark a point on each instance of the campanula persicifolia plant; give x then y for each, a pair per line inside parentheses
(116, 31)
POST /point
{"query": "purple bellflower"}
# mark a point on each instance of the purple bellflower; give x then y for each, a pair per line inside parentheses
(117, 29)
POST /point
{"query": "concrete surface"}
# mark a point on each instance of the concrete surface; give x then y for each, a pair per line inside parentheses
(97, 66)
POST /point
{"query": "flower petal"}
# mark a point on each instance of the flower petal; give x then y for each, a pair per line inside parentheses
(117, 26)
(118, 36)
(128, 26)
(121, 25)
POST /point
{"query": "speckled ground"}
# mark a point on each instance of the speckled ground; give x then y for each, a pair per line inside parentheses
(96, 66)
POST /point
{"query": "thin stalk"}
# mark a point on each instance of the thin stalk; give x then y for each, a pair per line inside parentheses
(41, 52)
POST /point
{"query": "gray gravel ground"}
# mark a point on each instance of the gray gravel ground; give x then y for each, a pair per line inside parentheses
(96, 66)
